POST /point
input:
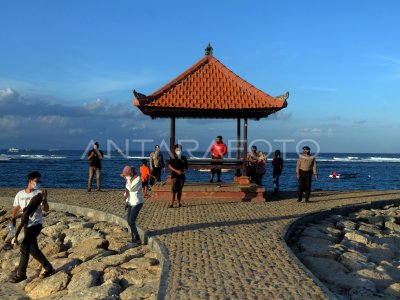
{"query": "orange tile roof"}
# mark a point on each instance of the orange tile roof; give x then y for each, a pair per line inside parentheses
(209, 89)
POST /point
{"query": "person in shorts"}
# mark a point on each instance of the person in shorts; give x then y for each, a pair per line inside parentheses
(218, 150)
(177, 165)
(145, 174)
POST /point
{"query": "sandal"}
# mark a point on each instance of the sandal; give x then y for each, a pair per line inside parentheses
(47, 273)
(18, 278)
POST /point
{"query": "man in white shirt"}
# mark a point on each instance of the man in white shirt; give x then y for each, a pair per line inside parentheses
(32, 228)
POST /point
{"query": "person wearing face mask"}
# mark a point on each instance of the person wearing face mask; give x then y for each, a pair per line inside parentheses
(156, 165)
(177, 164)
(32, 228)
(218, 150)
(133, 199)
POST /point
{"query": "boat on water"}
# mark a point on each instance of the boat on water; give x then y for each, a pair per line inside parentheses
(336, 175)
(14, 150)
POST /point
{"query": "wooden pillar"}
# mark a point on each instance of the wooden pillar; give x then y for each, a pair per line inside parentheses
(171, 145)
(244, 179)
(238, 143)
(172, 136)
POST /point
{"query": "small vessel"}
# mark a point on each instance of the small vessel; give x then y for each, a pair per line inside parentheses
(13, 150)
(4, 157)
(336, 175)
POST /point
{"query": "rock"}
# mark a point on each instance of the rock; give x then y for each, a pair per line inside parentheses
(377, 253)
(84, 280)
(65, 264)
(358, 237)
(99, 264)
(353, 245)
(393, 272)
(113, 274)
(393, 226)
(348, 282)
(84, 256)
(346, 224)
(144, 292)
(324, 268)
(393, 290)
(74, 237)
(88, 248)
(139, 263)
(359, 293)
(354, 260)
(381, 279)
(105, 291)
(317, 247)
(119, 244)
(54, 230)
(80, 224)
(370, 229)
(315, 233)
(110, 229)
(49, 285)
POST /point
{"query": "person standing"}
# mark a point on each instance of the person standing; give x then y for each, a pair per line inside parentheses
(177, 164)
(260, 167)
(95, 157)
(306, 166)
(252, 158)
(145, 173)
(133, 199)
(32, 229)
(218, 150)
(277, 166)
(156, 165)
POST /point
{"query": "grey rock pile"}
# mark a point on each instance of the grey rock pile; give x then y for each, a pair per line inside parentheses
(356, 256)
(93, 260)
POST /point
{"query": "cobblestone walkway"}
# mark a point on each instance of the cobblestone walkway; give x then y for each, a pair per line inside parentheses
(228, 250)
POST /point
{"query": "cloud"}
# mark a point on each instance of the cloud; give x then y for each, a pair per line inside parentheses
(313, 132)
(35, 121)
(280, 115)
(359, 122)
(385, 60)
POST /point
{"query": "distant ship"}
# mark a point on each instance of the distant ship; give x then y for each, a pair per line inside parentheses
(13, 150)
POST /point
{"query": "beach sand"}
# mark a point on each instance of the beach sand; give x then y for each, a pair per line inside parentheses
(233, 250)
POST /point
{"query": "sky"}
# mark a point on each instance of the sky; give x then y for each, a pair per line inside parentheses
(68, 68)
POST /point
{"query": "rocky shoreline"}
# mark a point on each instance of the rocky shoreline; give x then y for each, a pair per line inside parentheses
(93, 260)
(357, 256)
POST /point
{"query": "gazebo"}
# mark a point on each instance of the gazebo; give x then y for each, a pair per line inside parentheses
(210, 90)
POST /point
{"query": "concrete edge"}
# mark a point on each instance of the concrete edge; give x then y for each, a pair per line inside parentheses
(323, 214)
(97, 215)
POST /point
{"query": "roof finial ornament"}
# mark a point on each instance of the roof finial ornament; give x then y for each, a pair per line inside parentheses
(209, 50)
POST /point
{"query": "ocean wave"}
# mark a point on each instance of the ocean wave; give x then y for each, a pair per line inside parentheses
(371, 159)
(38, 156)
(137, 157)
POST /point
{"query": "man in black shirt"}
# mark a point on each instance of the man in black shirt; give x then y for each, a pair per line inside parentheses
(177, 164)
(95, 157)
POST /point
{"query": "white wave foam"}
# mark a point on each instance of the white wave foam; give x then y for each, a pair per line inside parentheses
(137, 157)
(39, 156)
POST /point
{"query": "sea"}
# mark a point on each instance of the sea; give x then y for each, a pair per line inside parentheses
(69, 169)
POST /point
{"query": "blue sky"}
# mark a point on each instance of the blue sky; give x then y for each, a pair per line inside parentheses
(68, 68)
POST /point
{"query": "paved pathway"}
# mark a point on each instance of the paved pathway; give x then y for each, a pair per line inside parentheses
(228, 250)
